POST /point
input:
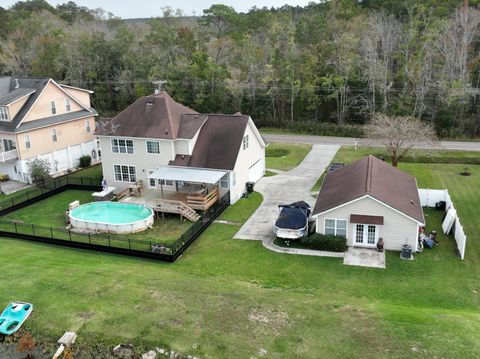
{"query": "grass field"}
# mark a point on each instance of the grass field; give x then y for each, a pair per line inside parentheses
(283, 156)
(50, 213)
(228, 298)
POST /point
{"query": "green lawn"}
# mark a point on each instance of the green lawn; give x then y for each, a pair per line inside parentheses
(227, 298)
(92, 171)
(285, 156)
(50, 213)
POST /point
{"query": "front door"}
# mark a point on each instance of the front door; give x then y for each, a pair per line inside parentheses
(365, 235)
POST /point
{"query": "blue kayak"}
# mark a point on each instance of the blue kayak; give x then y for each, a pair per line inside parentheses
(14, 315)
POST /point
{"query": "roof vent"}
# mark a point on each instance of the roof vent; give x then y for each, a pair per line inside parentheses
(166, 131)
(412, 202)
(183, 157)
(150, 103)
(157, 91)
(16, 84)
(196, 116)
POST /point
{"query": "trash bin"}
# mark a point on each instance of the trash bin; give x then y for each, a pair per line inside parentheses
(441, 205)
(250, 186)
(406, 252)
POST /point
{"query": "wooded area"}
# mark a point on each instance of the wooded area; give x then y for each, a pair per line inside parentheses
(324, 69)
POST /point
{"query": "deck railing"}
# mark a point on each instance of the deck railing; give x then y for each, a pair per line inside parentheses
(8, 155)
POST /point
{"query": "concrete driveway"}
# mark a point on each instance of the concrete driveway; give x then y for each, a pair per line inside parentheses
(284, 188)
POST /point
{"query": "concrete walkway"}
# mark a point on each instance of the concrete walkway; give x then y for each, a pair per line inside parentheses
(364, 257)
(284, 188)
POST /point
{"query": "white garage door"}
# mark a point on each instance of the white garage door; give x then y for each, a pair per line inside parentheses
(255, 172)
(75, 154)
(61, 159)
(49, 157)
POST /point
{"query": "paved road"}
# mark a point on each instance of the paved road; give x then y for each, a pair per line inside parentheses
(284, 188)
(347, 141)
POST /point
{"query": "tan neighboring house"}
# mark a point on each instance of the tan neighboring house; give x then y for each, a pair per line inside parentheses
(367, 200)
(40, 118)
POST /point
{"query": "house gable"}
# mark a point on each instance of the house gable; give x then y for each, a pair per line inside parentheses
(42, 107)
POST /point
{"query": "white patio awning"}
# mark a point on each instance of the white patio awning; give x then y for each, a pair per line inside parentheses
(187, 174)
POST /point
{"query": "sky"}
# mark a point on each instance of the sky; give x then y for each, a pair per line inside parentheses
(151, 8)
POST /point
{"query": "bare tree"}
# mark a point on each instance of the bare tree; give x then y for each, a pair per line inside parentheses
(455, 44)
(400, 134)
(378, 48)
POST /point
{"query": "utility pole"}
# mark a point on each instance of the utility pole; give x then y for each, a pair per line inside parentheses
(159, 84)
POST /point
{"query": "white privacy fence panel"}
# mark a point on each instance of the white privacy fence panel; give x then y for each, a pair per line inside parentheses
(428, 198)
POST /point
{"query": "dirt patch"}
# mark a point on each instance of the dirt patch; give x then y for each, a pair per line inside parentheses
(274, 319)
(86, 315)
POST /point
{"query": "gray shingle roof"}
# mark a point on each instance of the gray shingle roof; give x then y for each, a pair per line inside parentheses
(15, 95)
(52, 120)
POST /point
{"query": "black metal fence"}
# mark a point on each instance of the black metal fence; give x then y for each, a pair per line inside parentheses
(98, 241)
(54, 186)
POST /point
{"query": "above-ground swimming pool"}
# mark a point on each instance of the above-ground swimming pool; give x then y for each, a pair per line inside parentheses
(112, 217)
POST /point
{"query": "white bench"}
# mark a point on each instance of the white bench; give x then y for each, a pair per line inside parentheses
(104, 195)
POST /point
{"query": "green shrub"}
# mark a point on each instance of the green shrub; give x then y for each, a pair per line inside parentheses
(4, 177)
(317, 242)
(85, 161)
(276, 152)
(39, 170)
(323, 242)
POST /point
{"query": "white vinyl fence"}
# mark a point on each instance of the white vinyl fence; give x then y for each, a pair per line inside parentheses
(428, 198)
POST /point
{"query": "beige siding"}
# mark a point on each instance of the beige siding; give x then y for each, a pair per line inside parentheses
(68, 134)
(245, 159)
(42, 107)
(82, 96)
(396, 231)
(142, 160)
(16, 106)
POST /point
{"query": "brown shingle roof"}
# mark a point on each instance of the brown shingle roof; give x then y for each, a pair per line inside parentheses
(371, 176)
(218, 143)
(155, 116)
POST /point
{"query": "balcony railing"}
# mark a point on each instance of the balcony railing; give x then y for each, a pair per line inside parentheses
(8, 155)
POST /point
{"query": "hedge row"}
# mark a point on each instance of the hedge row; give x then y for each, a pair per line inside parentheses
(317, 242)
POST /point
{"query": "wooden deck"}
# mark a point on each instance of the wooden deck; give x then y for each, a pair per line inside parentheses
(174, 202)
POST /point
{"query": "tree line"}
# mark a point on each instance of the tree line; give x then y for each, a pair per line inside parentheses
(326, 68)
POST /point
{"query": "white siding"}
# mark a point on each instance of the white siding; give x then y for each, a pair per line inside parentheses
(182, 147)
(396, 230)
(142, 160)
(246, 158)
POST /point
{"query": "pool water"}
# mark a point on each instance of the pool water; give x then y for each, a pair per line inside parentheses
(111, 212)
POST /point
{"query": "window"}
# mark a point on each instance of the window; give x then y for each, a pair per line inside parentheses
(67, 105)
(153, 147)
(3, 114)
(8, 145)
(165, 182)
(224, 181)
(245, 142)
(54, 107)
(124, 173)
(87, 126)
(122, 146)
(27, 142)
(336, 227)
(54, 135)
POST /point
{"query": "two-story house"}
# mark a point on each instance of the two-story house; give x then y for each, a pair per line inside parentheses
(172, 147)
(40, 118)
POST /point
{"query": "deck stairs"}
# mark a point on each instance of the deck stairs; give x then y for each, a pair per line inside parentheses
(179, 207)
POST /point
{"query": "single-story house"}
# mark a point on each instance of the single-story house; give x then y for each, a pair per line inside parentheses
(180, 153)
(367, 200)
